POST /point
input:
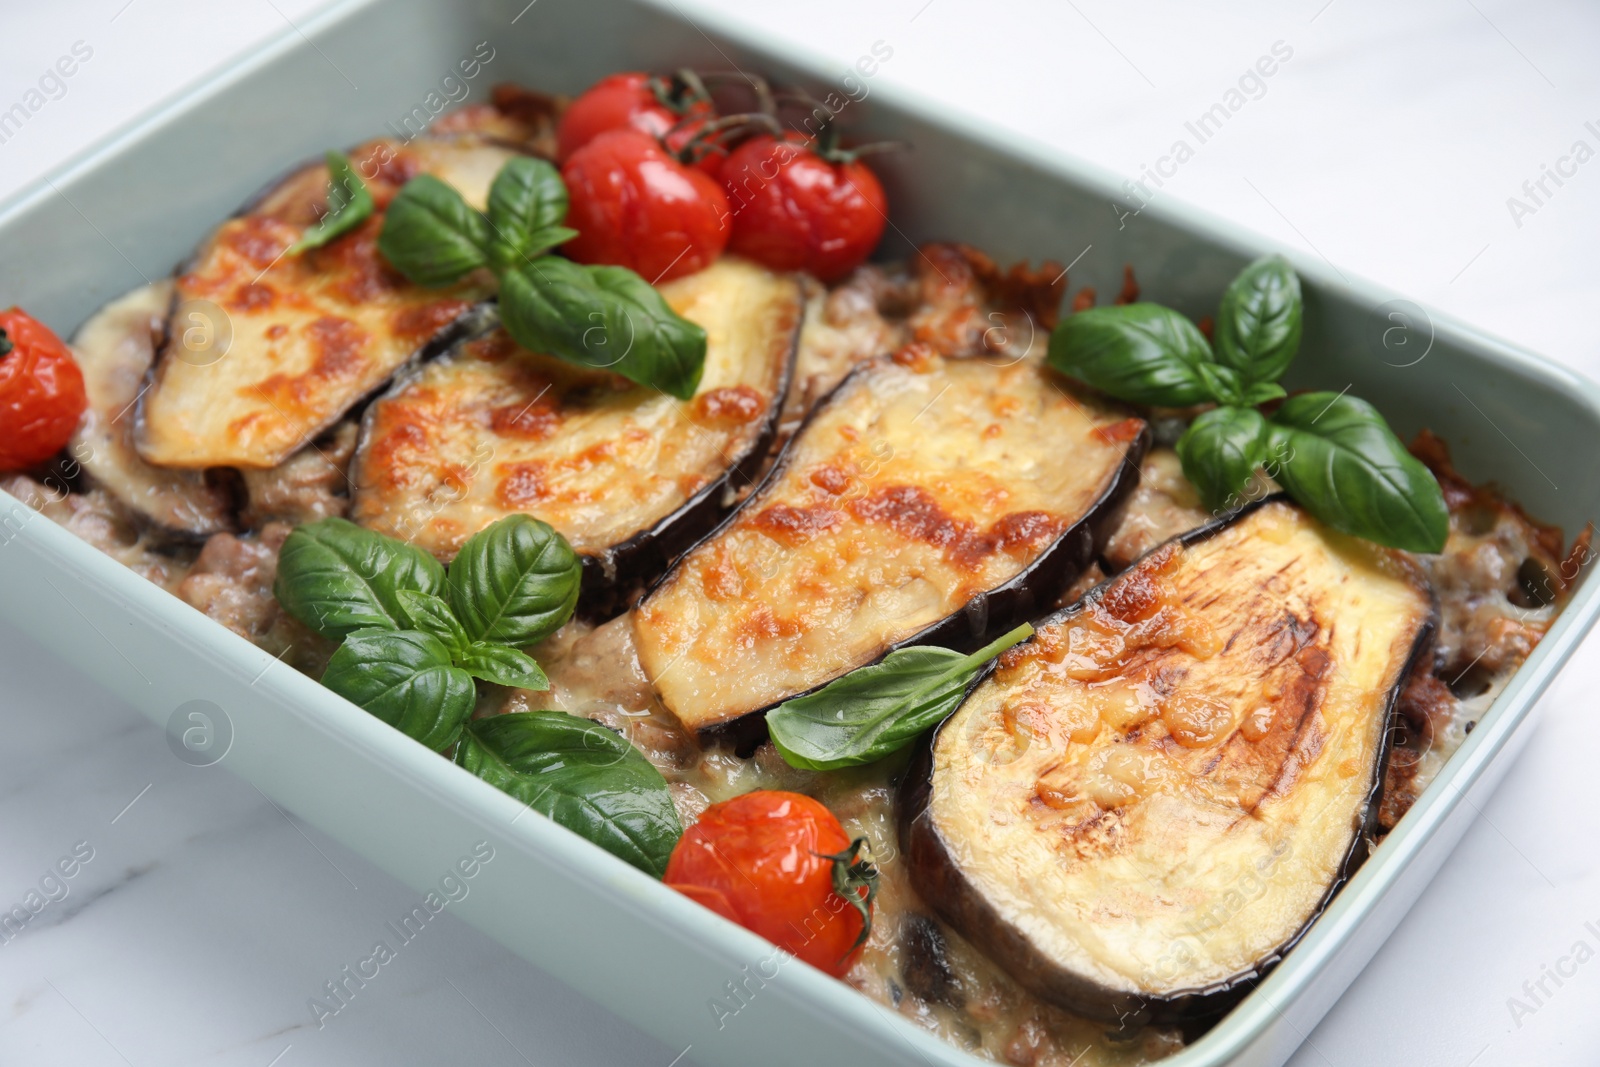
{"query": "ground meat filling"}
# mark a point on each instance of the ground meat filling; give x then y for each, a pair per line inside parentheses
(1163, 506)
(1500, 581)
(231, 581)
(950, 298)
(93, 515)
(312, 484)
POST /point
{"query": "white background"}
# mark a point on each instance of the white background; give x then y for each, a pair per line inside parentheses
(1389, 144)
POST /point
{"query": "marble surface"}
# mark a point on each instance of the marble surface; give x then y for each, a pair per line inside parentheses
(205, 917)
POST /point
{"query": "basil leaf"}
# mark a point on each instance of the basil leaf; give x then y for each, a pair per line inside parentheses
(349, 205)
(876, 710)
(502, 666)
(581, 775)
(527, 204)
(1261, 392)
(1220, 451)
(1342, 463)
(1259, 320)
(514, 582)
(405, 679)
(1222, 383)
(337, 578)
(605, 317)
(431, 235)
(431, 615)
(1142, 353)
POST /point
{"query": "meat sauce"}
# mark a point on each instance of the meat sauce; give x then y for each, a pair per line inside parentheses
(1500, 581)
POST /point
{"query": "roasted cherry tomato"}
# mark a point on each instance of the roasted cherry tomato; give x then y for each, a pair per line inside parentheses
(781, 865)
(635, 206)
(796, 209)
(631, 101)
(41, 392)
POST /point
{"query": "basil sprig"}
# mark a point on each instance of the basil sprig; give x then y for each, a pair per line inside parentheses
(1334, 454)
(628, 327)
(876, 710)
(581, 775)
(431, 235)
(349, 205)
(514, 582)
(406, 679)
(415, 636)
(1142, 353)
(1259, 320)
(597, 316)
(1343, 456)
(338, 578)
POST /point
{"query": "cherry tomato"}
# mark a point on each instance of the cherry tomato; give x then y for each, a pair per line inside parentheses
(793, 209)
(769, 860)
(635, 206)
(626, 101)
(41, 392)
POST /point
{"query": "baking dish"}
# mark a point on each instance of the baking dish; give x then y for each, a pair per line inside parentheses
(138, 202)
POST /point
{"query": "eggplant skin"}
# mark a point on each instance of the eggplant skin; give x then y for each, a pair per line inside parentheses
(266, 350)
(1138, 811)
(925, 500)
(630, 476)
(114, 349)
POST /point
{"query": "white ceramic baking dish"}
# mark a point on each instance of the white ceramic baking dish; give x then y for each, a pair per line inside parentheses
(136, 203)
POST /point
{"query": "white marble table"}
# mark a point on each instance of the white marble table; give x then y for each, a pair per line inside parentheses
(1389, 143)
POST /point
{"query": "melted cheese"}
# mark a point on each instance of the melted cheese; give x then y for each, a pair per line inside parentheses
(492, 430)
(911, 491)
(1157, 792)
(265, 350)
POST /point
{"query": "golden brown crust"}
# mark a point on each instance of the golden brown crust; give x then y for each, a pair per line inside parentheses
(308, 335)
(896, 509)
(491, 429)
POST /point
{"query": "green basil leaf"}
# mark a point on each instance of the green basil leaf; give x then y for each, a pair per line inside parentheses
(431, 235)
(527, 204)
(1339, 459)
(349, 205)
(1220, 451)
(504, 256)
(502, 666)
(1261, 392)
(1259, 320)
(1142, 353)
(405, 679)
(873, 711)
(605, 317)
(431, 615)
(1222, 383)
(514, 582)
(337, 578)
(581, 775)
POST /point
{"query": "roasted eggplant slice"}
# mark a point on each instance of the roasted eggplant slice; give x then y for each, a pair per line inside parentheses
(266, 350)
(114, 349)
(630, 476)
(1146, 804)
(928, 500)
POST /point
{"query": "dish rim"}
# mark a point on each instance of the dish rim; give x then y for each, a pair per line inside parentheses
(1249, 1021)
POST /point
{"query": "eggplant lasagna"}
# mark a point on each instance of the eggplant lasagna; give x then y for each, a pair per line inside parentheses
(1129, 817)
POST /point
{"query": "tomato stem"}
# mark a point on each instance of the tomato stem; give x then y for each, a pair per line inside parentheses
(765, 102)
(826, 138)
(719, 132)
(852, 873)
(681, 92)
(5, 344)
